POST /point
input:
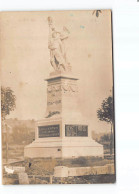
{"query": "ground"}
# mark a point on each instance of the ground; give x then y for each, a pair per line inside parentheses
(41, 170)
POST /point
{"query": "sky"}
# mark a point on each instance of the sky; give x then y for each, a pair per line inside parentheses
(25, 60)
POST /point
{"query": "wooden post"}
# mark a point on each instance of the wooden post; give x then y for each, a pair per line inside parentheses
(51, 179)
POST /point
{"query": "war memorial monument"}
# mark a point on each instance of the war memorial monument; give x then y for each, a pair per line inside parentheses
(64, 133)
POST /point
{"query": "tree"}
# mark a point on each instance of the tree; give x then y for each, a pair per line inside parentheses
(7, 101)
(105, 113)
(7, 105)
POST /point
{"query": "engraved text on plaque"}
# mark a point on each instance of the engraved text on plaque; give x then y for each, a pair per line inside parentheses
(49, 131)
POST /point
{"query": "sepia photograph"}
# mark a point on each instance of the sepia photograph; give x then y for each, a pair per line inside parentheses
(57, 97)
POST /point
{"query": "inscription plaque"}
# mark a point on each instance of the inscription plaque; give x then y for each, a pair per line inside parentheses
(49, 131)
(76, 130)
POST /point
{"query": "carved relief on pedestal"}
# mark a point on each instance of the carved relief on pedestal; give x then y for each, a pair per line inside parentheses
(53, 96)
(69, 89)
(53, 89)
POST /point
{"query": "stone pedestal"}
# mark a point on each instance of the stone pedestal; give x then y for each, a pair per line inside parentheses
(63, 133)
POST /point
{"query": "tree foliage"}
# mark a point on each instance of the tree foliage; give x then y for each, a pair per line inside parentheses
(96, 12)
(105, 113)
(7, 101)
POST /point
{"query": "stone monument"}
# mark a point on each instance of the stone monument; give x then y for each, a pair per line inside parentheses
(64, 133)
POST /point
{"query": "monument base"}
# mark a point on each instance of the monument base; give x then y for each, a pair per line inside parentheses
(59, 137)
(64, 148)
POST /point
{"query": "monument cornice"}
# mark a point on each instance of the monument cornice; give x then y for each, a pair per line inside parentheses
(51, 78)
